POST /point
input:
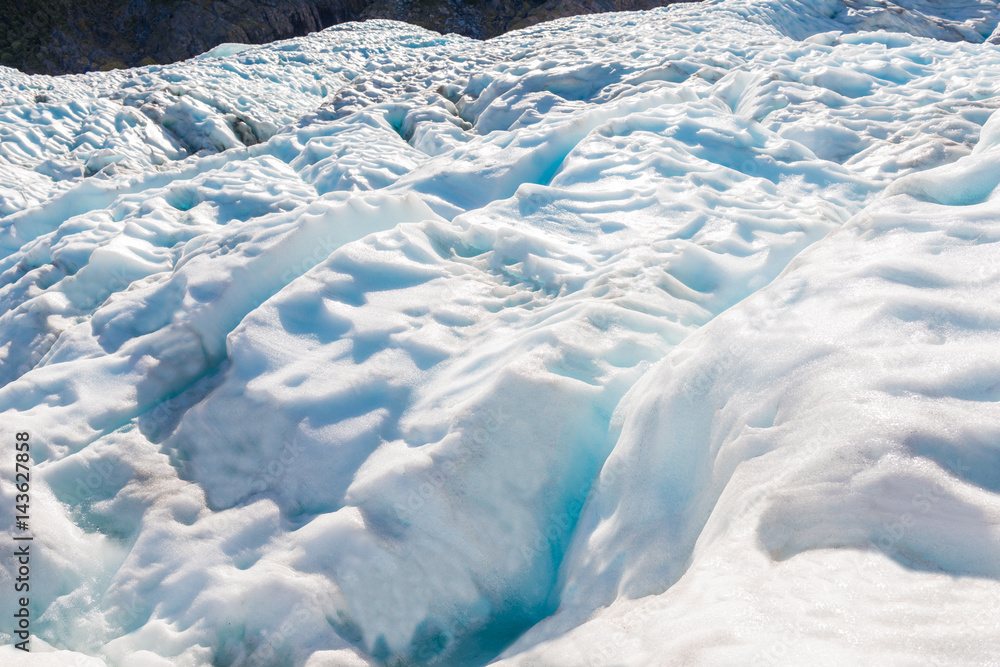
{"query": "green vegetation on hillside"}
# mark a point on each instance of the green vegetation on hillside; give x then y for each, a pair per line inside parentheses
(61, 36)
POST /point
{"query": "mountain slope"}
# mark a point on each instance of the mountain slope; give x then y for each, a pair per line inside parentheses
(61, 36)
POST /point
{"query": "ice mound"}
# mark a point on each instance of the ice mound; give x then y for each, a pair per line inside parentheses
(624, 339)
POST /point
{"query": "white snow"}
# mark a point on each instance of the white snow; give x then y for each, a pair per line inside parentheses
(649, 338)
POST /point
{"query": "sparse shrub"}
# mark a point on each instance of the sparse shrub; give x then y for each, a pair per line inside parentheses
(114, 63)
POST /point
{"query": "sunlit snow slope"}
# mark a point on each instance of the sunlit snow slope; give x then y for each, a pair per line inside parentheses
(651, 338)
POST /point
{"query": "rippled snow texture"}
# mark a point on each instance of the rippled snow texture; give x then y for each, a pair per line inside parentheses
(630, 339)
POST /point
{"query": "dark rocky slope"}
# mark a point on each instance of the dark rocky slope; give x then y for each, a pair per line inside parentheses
(61, 36)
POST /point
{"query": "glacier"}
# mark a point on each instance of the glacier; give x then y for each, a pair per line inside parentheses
(666, 337)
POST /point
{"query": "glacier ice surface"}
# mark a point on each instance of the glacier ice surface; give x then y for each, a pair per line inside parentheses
(641, 338)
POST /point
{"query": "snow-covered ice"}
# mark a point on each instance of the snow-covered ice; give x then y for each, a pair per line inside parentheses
(647, 338)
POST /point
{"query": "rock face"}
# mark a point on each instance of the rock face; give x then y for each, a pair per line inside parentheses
(64, 36)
